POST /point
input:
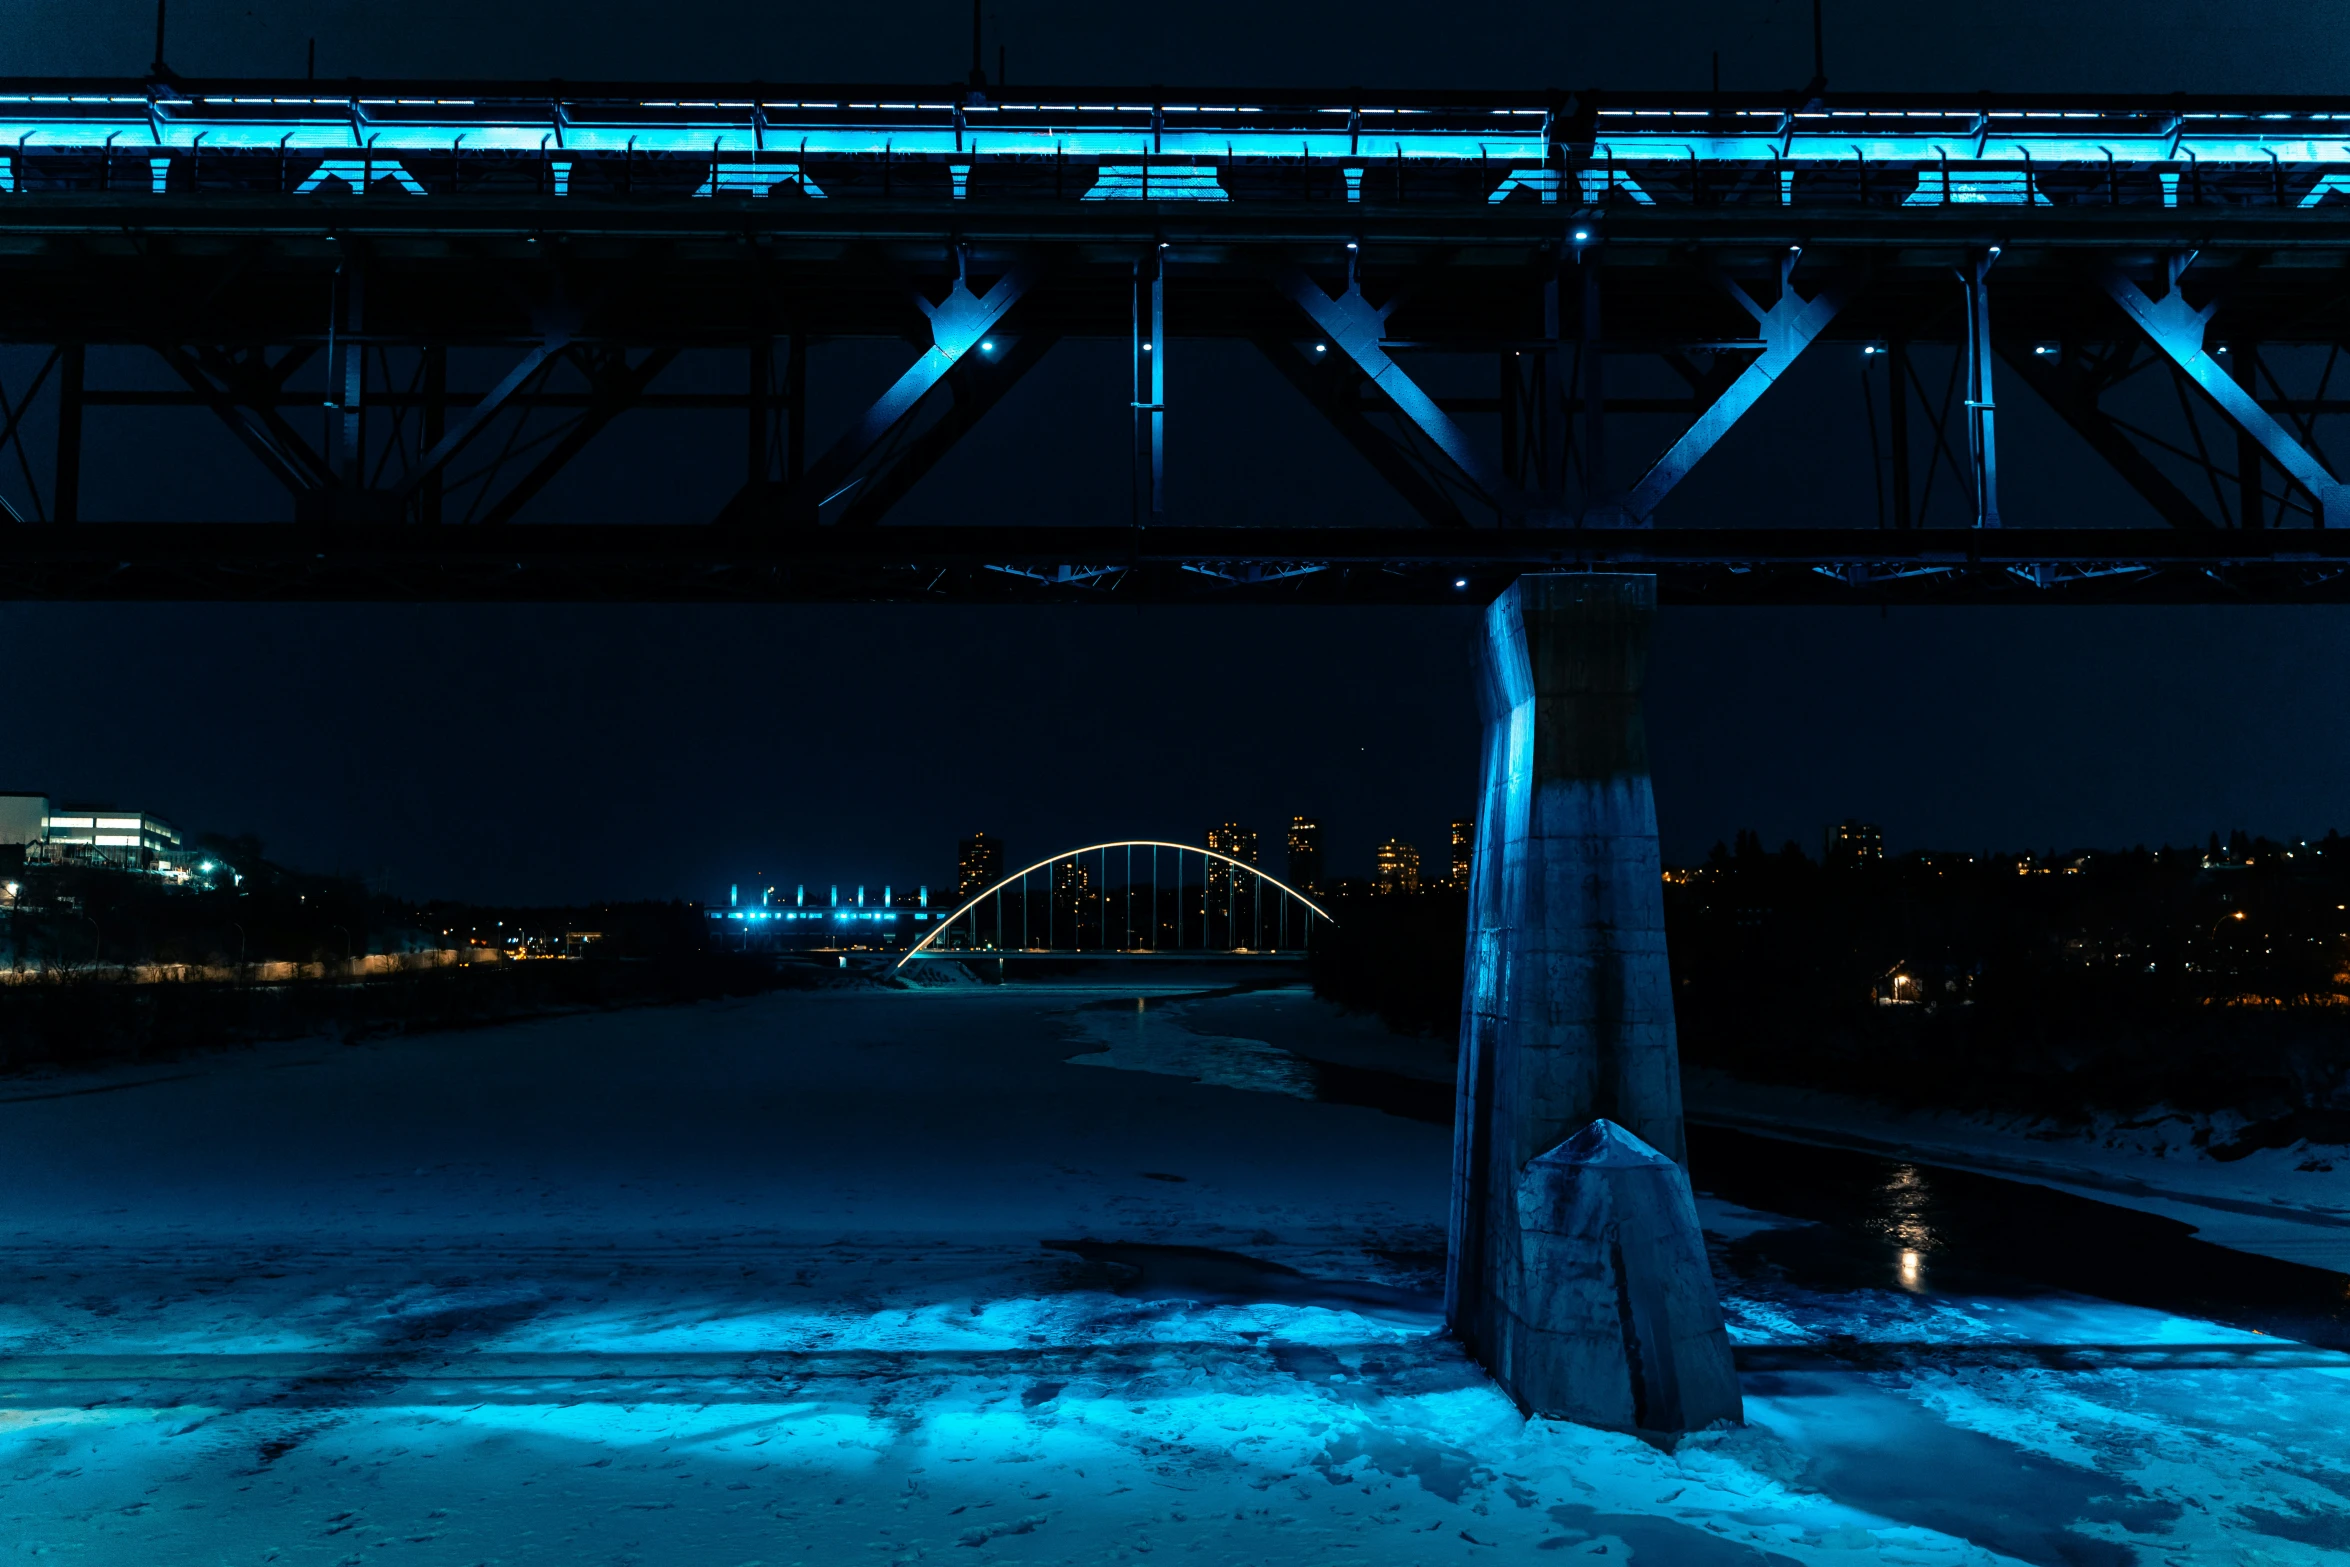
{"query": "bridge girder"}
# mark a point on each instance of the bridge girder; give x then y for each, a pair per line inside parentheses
(586, 239)
(611, 562)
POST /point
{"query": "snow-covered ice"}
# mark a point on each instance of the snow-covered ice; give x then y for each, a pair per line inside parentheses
(773, 1281)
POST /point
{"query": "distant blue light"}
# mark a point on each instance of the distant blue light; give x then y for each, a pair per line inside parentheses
(1460, 582)
(987, 345)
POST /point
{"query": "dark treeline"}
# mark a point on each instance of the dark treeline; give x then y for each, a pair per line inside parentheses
(1400, 956)
(74, 918)
(75, 937)
(78, 1020)
(2202, 979)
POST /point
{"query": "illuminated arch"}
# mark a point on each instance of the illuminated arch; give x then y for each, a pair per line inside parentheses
(948, 923)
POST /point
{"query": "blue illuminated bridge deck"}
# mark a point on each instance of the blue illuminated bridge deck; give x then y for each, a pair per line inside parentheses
(901, 144)
(1531, 315)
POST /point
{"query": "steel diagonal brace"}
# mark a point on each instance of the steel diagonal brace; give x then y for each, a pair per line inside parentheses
(1789, 327)
(1354, 327)
(255, 422)
(977, 388)
(2072, 392)
(1333, 392)
(2176, 327)
(958, 324)
(618, 385)
(477, 417)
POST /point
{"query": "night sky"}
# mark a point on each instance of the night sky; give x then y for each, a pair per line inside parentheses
(522, 753)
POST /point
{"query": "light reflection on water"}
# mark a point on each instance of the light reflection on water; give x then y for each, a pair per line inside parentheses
(1903, 1202)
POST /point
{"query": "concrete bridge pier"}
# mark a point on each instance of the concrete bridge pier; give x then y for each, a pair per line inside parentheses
(1567, 1021)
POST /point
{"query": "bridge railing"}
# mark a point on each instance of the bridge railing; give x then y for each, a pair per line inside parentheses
(648, 142)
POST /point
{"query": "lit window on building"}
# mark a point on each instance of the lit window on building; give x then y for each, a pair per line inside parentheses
(1395, 867)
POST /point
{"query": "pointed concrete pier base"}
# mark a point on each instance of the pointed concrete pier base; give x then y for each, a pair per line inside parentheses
(1614, 1323)
(1567, 1013)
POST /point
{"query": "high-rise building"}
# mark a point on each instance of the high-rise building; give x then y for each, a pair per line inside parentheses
(1395, 867)
(979, 864)
(1073, 878)
(1464, 851)
(1233, 839)
(1305, 853)
(1229, 838)
(1231, 894)
(1855, 843)
(1071, 913)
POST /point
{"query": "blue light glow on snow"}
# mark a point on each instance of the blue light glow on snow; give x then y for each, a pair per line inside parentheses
(762, 1281)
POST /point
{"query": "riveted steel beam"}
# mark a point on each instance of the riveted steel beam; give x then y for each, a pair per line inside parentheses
(1354, 327)
(617, 387)
(2073, 391)
(978, 384)
(1788, 327)
(1331, 388)
(2177, 328)
(959, 324)
(477, 418)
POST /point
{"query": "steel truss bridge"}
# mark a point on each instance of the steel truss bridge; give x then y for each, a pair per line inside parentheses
(414, 303)
(1133, 898)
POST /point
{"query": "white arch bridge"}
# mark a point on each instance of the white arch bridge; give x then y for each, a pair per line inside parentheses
(1136, 897)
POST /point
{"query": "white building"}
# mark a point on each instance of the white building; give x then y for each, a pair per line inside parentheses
(107, 837)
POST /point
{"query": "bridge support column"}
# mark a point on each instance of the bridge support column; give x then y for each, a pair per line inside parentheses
(1567, 1015)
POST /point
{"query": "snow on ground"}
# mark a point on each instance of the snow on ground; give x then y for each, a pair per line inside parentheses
(770, 1281)
(2290, 1203)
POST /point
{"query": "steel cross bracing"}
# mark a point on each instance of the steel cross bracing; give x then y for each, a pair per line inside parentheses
(1635, 274)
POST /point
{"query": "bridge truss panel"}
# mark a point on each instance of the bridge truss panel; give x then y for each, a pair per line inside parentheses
(277, 246)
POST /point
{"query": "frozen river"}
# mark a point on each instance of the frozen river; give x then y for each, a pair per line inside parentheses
(1039, 1274)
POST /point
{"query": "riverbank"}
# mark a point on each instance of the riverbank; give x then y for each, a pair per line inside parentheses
(79, 1020)
(2264, 1187)
(2290, 1201)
